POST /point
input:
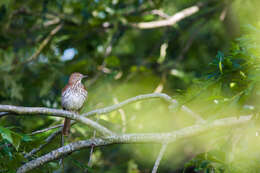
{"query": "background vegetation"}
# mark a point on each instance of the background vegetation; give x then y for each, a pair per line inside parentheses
(208, 61)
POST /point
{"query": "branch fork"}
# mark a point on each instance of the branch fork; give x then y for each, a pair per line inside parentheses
(108, 137)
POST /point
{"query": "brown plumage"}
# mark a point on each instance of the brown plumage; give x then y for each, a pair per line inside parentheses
(73, 97)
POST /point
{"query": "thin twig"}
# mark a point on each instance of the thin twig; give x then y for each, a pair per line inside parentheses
(46, 142)
(223, 14)
(44, 43)
(62, 144)
(2, 114)
(189, 42)
(47, 129)
(159, 157)
(91, 153)
(106, 53)
(123, 116)
(196, 116)
(128, 101)
(160, 13)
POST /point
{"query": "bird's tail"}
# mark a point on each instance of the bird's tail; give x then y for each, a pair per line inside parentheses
(65, 132)
(66, 127)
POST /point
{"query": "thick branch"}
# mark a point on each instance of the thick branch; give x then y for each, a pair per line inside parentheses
(55, 112)
(118, 106)
(103, 111)
(62, 113)
(24, 110)
(135, 138)
(115, 107)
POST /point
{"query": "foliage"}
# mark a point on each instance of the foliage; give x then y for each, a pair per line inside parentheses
(97, 38)
(237, 77)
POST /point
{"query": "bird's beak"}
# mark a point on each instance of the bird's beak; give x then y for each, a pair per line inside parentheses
(85, 76)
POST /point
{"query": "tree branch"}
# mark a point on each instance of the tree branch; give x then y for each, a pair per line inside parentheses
(162, 96)
(128, 101)
(63, 113)
(92, 113)
(116, 107)
(160, 13)
(2, 114)
(55, 112)
(102, 111)
(170, 20)
(47, 129)
(174, 136)
(159, 157)
(90, 154)
(123, 116)
(192, 114)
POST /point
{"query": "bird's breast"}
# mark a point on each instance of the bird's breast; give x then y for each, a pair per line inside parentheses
(73, 99)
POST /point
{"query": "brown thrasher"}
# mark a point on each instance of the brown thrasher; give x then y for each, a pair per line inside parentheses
(73, 97)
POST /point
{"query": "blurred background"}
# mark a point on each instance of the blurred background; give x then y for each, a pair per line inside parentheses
(209, 55)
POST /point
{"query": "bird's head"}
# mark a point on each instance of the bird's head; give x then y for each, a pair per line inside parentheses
(76, 77)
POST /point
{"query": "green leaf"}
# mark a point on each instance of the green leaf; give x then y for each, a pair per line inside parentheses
(112, 61)
(5, 2)
(16, 140)
(7, 151)
(6, 134)
(148, 17)
(11, 137)
(204, 164)
(26, 138)
(243, 74)
(220, 67)
(80, 165)
(220, 56)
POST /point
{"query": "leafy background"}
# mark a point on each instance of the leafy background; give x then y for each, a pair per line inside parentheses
(208, 61)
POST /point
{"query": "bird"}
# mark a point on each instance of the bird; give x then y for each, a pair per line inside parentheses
(73, 96)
